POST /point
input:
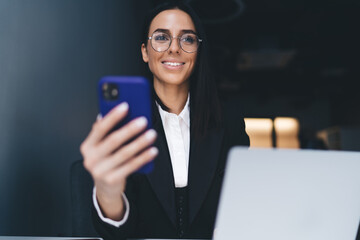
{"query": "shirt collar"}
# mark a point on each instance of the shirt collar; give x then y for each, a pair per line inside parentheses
(184, 114)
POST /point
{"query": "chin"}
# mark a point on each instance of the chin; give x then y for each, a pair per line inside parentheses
(178, 82)
(174, 79)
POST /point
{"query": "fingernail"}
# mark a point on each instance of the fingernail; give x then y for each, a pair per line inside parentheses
(141, 122)
(150, 134)
(122, 107)
(98, 117)
(154, 151)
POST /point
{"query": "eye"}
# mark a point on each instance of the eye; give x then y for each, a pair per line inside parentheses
(188, 38)
(161, 37)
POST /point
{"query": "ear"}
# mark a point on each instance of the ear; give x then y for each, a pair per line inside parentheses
(144, 53)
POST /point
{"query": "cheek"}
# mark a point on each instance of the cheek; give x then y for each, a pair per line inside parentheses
(152, 62)
(193, 63)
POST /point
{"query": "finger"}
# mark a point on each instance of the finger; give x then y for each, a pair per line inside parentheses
(127, 152)
(103, 126)
(122, 135)
(98, 117)
(132, 165)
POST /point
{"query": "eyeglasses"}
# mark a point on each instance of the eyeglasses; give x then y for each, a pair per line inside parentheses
(161, 41)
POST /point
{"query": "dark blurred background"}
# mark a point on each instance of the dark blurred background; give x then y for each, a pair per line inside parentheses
(274, 58)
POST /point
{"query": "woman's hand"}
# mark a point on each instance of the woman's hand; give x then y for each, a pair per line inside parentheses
(110, 159)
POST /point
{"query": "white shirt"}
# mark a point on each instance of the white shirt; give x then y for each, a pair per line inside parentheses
(177, 133)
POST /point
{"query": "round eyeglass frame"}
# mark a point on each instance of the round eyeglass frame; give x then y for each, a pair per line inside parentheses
(171, 39)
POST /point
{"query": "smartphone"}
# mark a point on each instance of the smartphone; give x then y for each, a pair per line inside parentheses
(136, 91)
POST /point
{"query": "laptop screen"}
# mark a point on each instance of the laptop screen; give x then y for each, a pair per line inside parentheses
(289, 194)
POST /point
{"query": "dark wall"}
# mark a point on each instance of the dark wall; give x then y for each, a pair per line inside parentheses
(52, 53)
(295, 58)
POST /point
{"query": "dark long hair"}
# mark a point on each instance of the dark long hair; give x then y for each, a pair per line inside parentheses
(205, 110)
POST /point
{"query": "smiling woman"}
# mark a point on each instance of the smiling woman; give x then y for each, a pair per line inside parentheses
(172, 66)
(179, 198)
(182, 18)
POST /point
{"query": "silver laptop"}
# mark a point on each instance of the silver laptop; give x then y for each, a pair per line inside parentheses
(289, 195)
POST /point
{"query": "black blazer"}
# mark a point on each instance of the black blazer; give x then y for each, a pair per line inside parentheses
(152, 197)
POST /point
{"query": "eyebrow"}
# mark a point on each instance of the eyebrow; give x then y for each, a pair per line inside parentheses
(168, 31)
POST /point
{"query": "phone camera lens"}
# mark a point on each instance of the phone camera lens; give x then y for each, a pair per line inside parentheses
(114, 92)
(110, 91)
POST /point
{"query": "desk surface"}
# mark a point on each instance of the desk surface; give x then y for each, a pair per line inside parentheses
(68, 238)
(46, 238)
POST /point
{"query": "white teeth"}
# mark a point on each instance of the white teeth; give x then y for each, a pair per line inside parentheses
(173, 63)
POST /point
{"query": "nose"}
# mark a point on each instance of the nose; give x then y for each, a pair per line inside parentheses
(175, 45)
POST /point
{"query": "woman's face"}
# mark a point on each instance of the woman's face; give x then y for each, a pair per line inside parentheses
(173, 66)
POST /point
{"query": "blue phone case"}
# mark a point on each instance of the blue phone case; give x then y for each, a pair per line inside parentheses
(136, 91)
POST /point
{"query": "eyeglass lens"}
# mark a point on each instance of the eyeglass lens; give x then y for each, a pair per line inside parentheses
(160, 41)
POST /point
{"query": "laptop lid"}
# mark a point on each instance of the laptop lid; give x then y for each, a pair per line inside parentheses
(289, 194)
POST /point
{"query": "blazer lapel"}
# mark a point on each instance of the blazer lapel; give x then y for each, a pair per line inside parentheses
(161, 178)
(204, 155)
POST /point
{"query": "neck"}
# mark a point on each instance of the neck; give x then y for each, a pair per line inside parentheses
(173, 96)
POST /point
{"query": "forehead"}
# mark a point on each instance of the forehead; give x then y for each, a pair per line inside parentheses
(175, 20)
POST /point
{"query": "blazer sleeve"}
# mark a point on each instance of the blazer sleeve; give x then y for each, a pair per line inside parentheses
(108, 231)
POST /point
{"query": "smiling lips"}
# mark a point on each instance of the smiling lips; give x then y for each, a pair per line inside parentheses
(173, 65)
